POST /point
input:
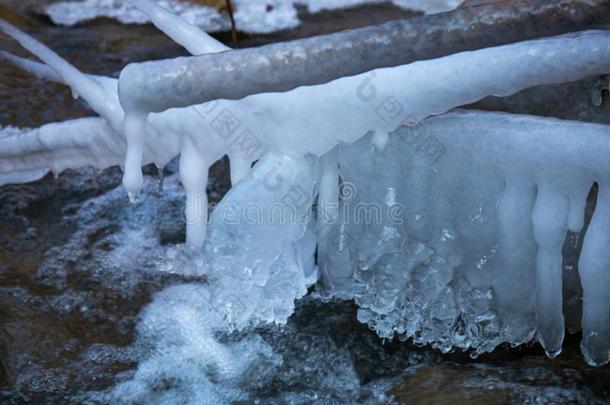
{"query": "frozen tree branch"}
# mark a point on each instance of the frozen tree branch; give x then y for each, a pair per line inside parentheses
(316, 60)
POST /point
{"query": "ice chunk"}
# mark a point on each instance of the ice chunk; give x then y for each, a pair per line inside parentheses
(258, 260)
(550, 220)
(475, 208)
(255, 242)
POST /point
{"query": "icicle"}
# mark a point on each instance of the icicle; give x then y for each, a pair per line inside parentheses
(491, 287)
(135, 130)
(194, 175)
(330, 244)
(550, 217)
(239, 167)
(594, 269)
(161, 173)
(514, 289)
(328, 199)
(196, 42)
(380, 140)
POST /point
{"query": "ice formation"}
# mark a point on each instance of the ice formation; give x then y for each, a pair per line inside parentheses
(184, 89)
(477, 74)
(473, 257)
(284, 66)
(447, 227)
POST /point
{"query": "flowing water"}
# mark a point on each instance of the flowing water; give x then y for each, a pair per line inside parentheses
(78, 263)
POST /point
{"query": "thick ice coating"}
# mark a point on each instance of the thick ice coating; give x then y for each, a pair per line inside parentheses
(467, 217)
(379, 100)
(317, 60)
(371, 101)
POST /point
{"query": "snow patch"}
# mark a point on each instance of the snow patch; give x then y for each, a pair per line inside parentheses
(251, 16)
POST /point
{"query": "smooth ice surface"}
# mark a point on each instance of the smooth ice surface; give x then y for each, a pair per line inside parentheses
(251, 16)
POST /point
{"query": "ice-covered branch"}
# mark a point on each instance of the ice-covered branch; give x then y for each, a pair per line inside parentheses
(343, 110)
(285, 66)
(59, 146)
(101, 101)
(72, 144)
(39, 70)
(380, 100)
(193, 39)
(43, 71)
(314, 119)
(157, 86)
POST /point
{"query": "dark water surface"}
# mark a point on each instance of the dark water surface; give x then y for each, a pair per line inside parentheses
(73, 280)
